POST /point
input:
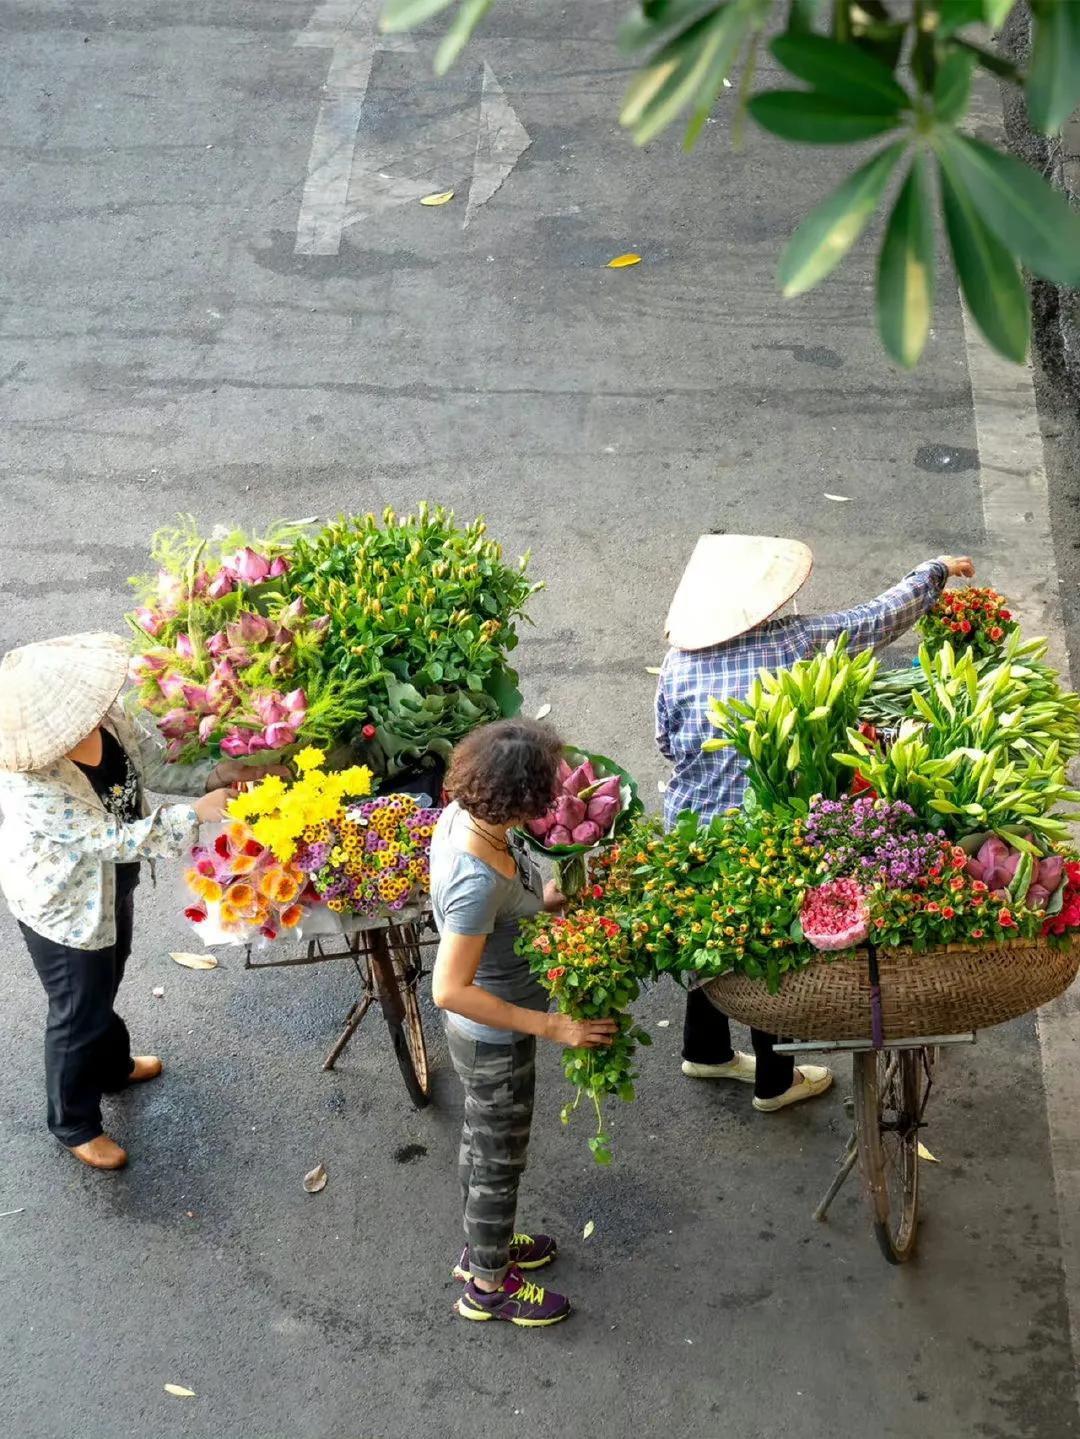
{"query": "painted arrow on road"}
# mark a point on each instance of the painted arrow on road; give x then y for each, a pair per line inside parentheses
(349, 182)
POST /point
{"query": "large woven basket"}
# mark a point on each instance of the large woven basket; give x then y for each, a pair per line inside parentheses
(944, 991)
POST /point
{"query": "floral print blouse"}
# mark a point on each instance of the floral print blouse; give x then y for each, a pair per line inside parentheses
(59, 845)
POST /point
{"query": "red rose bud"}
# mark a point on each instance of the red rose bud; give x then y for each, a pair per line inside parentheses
(368, 731)
(221, 846)
(195, 915)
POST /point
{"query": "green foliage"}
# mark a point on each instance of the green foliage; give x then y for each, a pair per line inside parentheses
(790, 724)
(887, 66)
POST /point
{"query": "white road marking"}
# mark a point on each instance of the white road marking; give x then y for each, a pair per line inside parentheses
(348, 183)
(501, 140)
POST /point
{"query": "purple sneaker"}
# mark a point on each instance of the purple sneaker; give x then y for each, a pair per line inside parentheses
(518, 1300)
(527, 1251)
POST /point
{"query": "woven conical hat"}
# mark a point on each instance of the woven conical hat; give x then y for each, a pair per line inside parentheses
(731, 584)
(53, 694)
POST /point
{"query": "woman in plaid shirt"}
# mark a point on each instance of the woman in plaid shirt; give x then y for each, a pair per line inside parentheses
(722, 627)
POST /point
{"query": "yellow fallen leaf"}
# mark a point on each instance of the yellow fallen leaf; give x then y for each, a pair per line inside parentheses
(195, 961)
(924, 1153)
(179, 1392)
(543, 712)
(315, 1179)
(442, 198)
(589, 1227)
(620, 262)
(652, 669)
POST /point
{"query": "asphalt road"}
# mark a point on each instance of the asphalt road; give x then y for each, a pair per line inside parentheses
(164, 348)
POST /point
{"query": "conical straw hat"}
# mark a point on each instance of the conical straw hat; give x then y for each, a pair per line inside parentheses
(732, 583)
(53, 694)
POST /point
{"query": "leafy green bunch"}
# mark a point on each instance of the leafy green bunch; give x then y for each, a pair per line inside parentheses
(583, 959)
(898, 69)
(709, 897)
(791, 723)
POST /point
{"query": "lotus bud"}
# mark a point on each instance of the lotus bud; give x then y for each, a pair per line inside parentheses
(249, 629)
(296, 701)
(975, 869)
(184, 648)
(563, 774)
(603, 812)
(320, 625)
(172, 687)
(258, 742)
(296, 611)
(609, 789)
(992, 852)
(278, 567)
(195, 697)
(220, 586)
(248, 567)
(1049, 872)
(283, 637)
(587, 833)
(559, 834)
(170, 592)
(1038, 897)
(277, 736)
(202, 580)
(579, 779)
(207, 725)
(217, 644)
(1008, 866)
(149, 620)
(177, 723)
(569, 811)
(269, 709)
(235, 744)
(540, 828)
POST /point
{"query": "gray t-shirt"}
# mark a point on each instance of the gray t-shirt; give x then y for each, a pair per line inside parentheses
(470, 897)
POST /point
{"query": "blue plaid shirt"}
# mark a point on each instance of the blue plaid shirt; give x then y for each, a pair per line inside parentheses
(708, 784)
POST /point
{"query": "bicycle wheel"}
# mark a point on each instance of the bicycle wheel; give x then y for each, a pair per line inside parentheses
(398, 975)
(887, 1113)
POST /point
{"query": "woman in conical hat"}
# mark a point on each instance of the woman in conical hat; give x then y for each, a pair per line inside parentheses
(723, 627)
(76, 825)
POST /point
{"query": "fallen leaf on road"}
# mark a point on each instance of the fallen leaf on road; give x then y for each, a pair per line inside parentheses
(543, 712)
(179, 1392)
(159, 992)
(315, 1179)
(662, 1023)
(621, 262)
(727, 83)
(441, 199)
(839, 499)
(652, 669)
(589, 1228)
(10, 1213)
(924, 1153)
(195, 961)
(661, 786)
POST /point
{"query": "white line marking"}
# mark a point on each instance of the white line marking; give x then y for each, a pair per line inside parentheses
(501, 140)
(1016, 512)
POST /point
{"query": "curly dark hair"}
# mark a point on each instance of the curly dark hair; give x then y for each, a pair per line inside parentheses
(506, 770)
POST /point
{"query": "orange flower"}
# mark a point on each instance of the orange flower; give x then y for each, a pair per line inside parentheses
(207, 889)
(238, 835)
(242, 897)
(242, 863)
(1006, 920)
(278, 885)
(292, 916)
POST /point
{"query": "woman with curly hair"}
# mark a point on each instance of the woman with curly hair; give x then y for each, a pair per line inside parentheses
(483, 884)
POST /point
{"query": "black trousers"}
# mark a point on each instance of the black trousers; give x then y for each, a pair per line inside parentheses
(707, 1040)
(87, 1048)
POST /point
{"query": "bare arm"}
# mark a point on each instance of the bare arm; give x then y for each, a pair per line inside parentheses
(454, 987)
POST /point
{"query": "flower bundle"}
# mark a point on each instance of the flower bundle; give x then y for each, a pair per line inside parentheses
(595, 800)
(870, 840)
(1068, 916)
(372, 857)
(834, 915)
(283, 814)
(584, 960)
(971, 618)
(240, 889)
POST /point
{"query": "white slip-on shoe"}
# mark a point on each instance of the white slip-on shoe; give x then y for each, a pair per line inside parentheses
(742, 1068)
(811, 1080)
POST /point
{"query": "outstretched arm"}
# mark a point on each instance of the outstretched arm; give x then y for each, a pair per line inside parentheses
(880, 621)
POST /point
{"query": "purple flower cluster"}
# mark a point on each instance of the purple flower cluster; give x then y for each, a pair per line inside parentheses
(871, 840)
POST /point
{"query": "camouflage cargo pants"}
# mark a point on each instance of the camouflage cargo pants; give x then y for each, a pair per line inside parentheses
(499, 1081)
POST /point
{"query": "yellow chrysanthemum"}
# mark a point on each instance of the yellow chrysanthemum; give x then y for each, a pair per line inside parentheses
(308, 759)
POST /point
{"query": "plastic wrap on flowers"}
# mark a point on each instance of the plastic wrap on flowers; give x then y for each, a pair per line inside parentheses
(236, 891)
(834, 915)
(595, 798)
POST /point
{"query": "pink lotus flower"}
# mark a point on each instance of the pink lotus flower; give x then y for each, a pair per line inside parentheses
(278, 736)
(177, 723)
(296, 611)
(1050, 871)
(149, 620)
(207, 725)
(142, 666)
(220, 586)
(202, 580)
(218, 691)
(170, 592)
(278, 567)
(217, 644)
(235, 744)
(249, 629)
(172, 687)
(296, 702)
(184, 648)
(279, 665)
(269, 708)
(257, 742)
(248, 567)
(320, 624)
(195, 697)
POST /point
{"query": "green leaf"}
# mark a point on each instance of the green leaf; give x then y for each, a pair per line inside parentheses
(737, 21)
(405, 14)
(1024, 212)
(832, 227)
(840, 71)
(456, 38)
(954, 14)
(952, 87)
(989, 60)
(691, 67)
(905, 289)
(651, 23)
(1053, 82)
(801, 16)
(995, 12)
(988, 275)
(817, 119)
